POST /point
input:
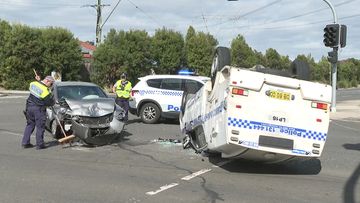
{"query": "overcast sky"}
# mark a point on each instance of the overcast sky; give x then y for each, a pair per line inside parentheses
(291, 27)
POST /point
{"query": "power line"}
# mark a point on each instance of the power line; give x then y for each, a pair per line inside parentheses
(248, 13)
(205, 23)
(98, 8)
(300, 25)
(112, 11)
(302, 15)
(141, 10)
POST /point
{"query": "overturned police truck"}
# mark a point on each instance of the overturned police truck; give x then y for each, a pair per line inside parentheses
(257, 114)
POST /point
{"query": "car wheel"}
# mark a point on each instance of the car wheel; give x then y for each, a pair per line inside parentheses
(221, 58)
(150, 113)
(55, 130)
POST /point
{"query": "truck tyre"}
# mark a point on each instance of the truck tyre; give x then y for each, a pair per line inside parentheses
(150, 113)
(55, 130)
(221, 58)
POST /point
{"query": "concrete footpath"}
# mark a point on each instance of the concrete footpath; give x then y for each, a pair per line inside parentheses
(12, 92)
(347, 110)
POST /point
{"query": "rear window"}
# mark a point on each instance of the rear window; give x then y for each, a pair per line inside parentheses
(171, 84)
(154, 83)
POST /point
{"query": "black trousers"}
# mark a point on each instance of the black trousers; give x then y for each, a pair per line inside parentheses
(123, 103)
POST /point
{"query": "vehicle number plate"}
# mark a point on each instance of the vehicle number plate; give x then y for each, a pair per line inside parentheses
(279, 95)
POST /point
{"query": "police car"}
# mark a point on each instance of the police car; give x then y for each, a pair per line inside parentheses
(159, 96)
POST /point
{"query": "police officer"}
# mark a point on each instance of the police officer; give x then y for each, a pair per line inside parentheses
(122, 88)
(40, 97)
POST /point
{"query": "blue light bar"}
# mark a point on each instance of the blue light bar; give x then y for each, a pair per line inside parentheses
(186, 72)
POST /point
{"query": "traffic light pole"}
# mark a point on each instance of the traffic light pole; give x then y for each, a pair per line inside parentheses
(333, 62)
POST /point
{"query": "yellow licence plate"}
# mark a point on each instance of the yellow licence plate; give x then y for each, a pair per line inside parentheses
(280, 95)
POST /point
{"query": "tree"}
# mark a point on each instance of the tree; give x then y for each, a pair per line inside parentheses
(61, 53)
(137, 54)
(24, 48)
(122, 52)
(167, 51)
(242, 55)
(273, 59)
(22, 52)
(5, 29)
(321, 71)
(199, 49)
(346, 72)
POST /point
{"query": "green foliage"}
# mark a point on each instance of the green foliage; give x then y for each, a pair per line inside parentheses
(353, 83)
(322, 71)
(349, 70)
(242, 55)
(24, 48)
(199, 49)
(5, 29)
(343, 84)
(167, 51)
(122, 52)
(61, 52)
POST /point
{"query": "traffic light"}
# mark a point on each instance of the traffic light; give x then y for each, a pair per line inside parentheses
(343, 36)
(332, 35)
(333, 56)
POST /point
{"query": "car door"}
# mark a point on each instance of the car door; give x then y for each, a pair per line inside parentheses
(171, 90)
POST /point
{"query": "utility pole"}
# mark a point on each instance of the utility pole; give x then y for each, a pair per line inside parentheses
(99, 25)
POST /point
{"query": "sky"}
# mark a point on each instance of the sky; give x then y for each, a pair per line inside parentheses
(289, 26)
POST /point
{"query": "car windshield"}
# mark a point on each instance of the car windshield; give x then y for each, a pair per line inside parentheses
(80, 92)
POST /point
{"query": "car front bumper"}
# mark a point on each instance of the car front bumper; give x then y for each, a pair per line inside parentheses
(97, 135)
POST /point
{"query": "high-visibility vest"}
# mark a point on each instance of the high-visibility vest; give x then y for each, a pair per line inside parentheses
(39, 90)
(123, 91)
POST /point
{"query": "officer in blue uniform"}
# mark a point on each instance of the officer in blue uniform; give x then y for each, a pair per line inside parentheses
(40, 97)
(122, 88)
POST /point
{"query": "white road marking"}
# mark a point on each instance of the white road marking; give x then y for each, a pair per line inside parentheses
(12, 97)
(187, 178)
(11, 133)
(193, 175)
(162, 188)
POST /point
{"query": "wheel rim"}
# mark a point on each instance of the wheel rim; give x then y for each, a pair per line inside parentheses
(149, 113)
(214, 64)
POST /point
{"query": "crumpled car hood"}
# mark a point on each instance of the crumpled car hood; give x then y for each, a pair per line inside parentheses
(92, 107)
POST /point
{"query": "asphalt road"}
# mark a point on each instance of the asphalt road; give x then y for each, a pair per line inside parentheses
(141, 168)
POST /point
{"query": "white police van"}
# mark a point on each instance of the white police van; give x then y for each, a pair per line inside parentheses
(245, 113)
(159, 96)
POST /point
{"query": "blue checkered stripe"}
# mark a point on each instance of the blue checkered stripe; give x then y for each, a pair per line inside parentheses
(160, 92)
(279, 129)
(315, 135)
(239, 123)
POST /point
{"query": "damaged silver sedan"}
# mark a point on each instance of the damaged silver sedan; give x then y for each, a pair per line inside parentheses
(85, 111)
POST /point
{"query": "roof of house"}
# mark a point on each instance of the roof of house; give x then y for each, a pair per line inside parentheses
(88, 46)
